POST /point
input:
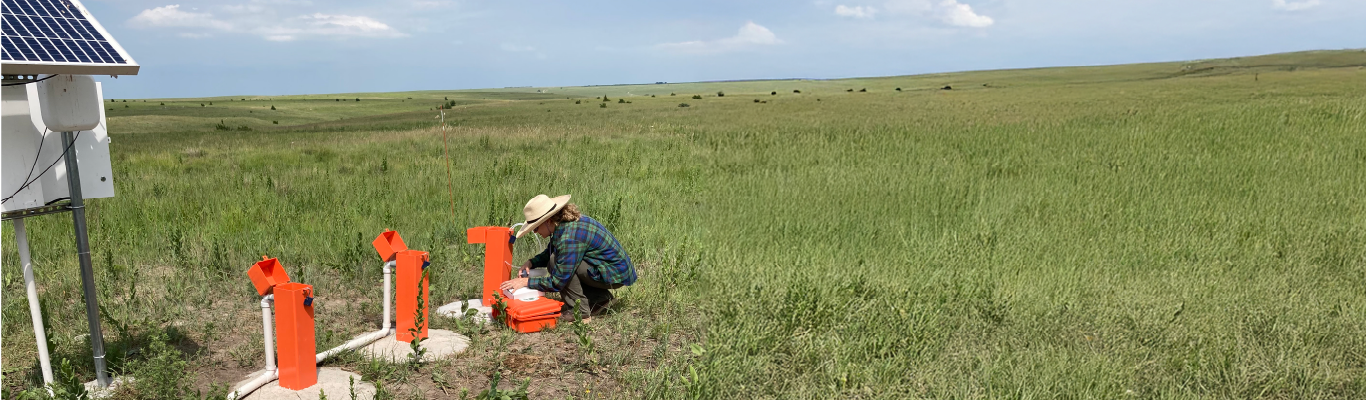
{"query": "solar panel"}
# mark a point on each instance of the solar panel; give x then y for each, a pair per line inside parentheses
(58, 37)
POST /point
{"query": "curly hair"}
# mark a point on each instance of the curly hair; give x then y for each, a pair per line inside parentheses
(569, 213)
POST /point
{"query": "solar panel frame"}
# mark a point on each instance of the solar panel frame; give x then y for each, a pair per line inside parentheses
(58, 37)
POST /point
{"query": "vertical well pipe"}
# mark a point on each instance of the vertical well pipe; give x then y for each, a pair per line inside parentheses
(34, 308)
(269, 338)
(92, 302)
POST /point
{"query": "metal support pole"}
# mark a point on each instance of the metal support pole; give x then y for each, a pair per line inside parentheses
(34, 308)
(92, 302)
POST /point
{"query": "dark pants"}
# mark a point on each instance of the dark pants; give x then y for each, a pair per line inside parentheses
(581, 286)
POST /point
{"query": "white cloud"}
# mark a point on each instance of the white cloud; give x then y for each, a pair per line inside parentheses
(172, 17)
(959, 14)
(1294, 5)
(261, 20)
(749, 36)
(947, 11)
(855, 12)
(347, 25)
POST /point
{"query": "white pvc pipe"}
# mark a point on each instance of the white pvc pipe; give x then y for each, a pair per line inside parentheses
(385, 329)
(272, 374)
(269, 330)
(34, 308)
(269, 340)
(388, 271)
(257, 383)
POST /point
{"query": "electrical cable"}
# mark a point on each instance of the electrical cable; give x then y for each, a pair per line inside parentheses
(36, 155)
(25, 83)
(49, 167)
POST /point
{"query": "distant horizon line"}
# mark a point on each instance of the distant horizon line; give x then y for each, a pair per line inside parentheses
(768, 79)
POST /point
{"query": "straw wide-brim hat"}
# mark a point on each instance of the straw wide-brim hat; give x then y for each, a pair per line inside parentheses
(540, 209)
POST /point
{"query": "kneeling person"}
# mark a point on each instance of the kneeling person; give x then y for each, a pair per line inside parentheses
(584, 260)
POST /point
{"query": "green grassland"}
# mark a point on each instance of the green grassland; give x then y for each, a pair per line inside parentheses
(1169, 230)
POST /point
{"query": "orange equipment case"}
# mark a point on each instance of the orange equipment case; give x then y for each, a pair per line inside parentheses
(533, 316)
(294, 327)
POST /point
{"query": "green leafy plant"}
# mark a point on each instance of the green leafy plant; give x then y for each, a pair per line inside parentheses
(381, 393)
(621, 101)
(603, 105)
(492, 393)
(584, 334)
(684, 105)
(720, 94)
(500, 309)
(697, 97)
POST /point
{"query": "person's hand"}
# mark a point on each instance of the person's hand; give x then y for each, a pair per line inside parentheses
(514, 284)
(525, 271)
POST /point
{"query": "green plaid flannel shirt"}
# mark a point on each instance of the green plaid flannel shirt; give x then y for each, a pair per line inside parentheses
(583, 240)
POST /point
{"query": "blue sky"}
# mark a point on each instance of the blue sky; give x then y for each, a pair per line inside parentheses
(193, 48)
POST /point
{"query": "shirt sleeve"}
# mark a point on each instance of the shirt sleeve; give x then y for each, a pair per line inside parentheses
(570, 252)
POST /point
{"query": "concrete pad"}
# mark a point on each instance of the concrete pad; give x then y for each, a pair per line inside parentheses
(453, 310)
(440, 343)
(333, 381)
(96, 392)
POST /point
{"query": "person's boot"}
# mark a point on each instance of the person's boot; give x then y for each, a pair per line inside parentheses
(603, 305)
(567, 313)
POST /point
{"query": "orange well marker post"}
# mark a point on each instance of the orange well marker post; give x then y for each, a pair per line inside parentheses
(497, 257)
(410, 281)
(297, 344)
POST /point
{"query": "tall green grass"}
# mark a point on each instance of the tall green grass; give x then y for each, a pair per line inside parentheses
(1072, 233)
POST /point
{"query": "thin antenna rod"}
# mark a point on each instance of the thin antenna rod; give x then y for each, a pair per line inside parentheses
(445, 144)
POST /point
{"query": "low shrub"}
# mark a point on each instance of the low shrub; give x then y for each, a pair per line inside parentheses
(697, 97)
(684, 105)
